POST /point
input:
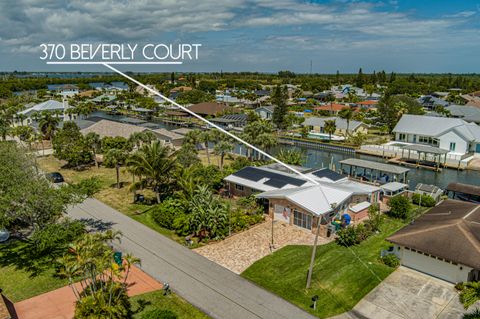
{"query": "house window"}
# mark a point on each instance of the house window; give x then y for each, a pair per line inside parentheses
(302, 219)
(402, 137)
(452, 146)
(239, 187)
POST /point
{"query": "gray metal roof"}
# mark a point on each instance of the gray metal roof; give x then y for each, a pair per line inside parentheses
(425, 149)
(375, 166)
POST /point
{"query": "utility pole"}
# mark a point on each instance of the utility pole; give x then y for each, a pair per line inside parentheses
(312, 259)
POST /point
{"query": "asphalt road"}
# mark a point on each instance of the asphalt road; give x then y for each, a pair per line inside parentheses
(215, 290)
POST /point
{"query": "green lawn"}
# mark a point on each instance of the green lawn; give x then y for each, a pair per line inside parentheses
(341, 277)
(172, 302)
(21, 278)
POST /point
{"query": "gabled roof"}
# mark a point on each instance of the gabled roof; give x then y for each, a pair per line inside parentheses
(436, 126)
(268, 108)
(50, 105)
(450, 231)
(310, 198)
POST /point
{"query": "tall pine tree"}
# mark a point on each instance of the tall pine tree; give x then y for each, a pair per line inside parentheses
(279, 100)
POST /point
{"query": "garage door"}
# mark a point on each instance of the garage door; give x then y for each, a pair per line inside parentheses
(429, 265)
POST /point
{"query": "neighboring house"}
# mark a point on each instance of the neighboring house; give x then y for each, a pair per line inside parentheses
(169, 137)
(465, 192)
(261, 93)
(47, 106)
(104, 99)
(369, 104)
(443, 243)
(265, 112)
(209, 108)
(465, 112)
(332, 108)
(112, 129)
(317, 125)
(231, 121)
(454, 135)
(429, 102)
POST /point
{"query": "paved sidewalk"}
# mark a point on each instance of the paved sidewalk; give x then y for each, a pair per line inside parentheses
(215, 290)
(60, 303)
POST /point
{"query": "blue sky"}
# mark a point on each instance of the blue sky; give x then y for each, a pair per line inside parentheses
(266, 35)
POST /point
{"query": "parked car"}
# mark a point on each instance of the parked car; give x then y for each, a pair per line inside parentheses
(55, 177)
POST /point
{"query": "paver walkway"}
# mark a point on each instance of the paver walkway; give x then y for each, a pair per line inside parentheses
(215, 290)
(60, 303)
(241, 250)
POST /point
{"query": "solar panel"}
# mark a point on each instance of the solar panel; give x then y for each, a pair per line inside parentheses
(255, 174)
(327, 173)
(275, 183)
(250, 173)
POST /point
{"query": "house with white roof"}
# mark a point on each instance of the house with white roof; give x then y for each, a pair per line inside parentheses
(298, 201)
(452, 134)
(27, 116)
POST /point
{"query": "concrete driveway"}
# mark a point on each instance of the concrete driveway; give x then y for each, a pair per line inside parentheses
(407, 294)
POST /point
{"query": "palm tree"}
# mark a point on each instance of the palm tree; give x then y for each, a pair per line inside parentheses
(206, 137)
(192, 137)
(347, 115)
(115, 158)
(48, 124)
(21, 117)
(156, 162)
(470, 293)
(291, 156)
(222, 148)
(187, 183)
(94, 143)
(330, 128)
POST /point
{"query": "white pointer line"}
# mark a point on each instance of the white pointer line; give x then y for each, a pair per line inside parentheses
(115, 62)
(214, 125)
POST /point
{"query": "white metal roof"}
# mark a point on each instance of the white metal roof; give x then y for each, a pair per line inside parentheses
(360, 206)
(50, 105)
(309, 197)
(394, 186)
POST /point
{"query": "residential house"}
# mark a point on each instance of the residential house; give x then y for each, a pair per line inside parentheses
(465, 112)
(297, 200)
(317, 125)
(429, 102)
(169, 137)
(444, 242)
(452, 134)
(209, 108)
(332, 108)
(113, 129)
(265, 112)
(231, 121)
(47, 106)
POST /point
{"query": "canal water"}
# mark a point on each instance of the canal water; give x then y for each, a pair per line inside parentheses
(324, 158)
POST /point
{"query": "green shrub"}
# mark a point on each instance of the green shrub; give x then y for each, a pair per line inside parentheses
(88, 186)
(399, 207)
(347, 236)
(164, 214)
(425, 200)
(240, 221)
(96, 305)
(391, 261)
(181, 225)
(54, 238)
(375, 217)
(159, 314)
